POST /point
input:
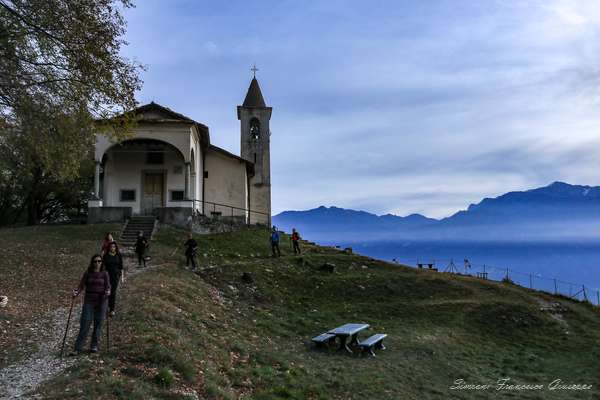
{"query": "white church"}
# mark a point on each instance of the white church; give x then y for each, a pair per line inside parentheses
(170, 169)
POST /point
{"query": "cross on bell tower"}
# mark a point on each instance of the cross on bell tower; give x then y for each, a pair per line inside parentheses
(254, 69)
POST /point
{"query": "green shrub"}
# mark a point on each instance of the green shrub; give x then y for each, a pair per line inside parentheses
(186, 369)
(211, 391)
(164, 377)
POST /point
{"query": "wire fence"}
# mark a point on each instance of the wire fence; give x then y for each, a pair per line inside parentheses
(577, 291)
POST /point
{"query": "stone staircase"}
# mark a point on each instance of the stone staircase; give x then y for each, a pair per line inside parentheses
(134, 226)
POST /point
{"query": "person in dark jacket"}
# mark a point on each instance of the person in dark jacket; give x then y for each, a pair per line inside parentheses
(113, 263)
(295, 239)
(274, 239)
(190, 251)
(95, 282)
(140, 248)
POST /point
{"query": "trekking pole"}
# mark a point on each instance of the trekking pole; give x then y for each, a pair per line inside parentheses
(107, 330)
(62, 347)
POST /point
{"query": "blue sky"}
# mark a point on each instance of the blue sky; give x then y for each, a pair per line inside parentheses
(388, 106)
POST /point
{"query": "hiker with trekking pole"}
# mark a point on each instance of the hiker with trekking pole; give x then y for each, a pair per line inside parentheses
(95, 282)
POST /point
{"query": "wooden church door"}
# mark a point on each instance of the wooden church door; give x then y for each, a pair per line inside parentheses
(153, 192)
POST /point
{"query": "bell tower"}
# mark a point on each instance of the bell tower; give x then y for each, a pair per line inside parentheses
(254, 117)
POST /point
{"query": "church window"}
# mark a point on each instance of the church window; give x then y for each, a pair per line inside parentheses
(153, 157)
(254, 128)
(127, 195)
(177, 195)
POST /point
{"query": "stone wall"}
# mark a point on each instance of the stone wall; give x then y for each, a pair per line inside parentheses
(98, 215)
(174, 215)
(206, 225)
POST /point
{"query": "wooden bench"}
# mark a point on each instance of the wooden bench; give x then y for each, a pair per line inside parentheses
(371, 342)
(324, 339)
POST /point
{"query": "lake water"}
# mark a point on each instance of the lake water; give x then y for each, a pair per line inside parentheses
(529, 263)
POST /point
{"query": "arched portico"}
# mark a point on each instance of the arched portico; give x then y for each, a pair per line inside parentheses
(144, 174)
(179, 141)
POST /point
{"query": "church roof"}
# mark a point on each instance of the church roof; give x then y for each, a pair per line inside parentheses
(254, 97)
(155, 113)
(228, 154)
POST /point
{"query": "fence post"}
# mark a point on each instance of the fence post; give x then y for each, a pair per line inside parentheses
(598, 296)
(584, 293)
(530, 281)
(507, 278)
(555, 287)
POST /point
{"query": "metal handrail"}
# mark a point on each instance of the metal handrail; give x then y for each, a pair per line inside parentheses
(229, 206)
(247, 211)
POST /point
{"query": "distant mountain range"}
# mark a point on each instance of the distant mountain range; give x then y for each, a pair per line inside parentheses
(555, 212)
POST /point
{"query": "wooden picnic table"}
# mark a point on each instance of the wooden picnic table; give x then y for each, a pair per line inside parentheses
(348, 331)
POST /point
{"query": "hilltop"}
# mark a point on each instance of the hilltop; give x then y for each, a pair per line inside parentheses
(214, 335)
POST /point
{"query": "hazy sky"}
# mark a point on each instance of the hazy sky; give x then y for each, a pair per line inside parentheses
(388, 106)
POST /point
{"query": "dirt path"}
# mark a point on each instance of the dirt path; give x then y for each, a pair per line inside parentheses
(20, 379)
(25, 375)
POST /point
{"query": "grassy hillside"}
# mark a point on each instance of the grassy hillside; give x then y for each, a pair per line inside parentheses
(179, 335)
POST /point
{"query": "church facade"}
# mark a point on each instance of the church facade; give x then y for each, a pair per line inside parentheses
(170, 169)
